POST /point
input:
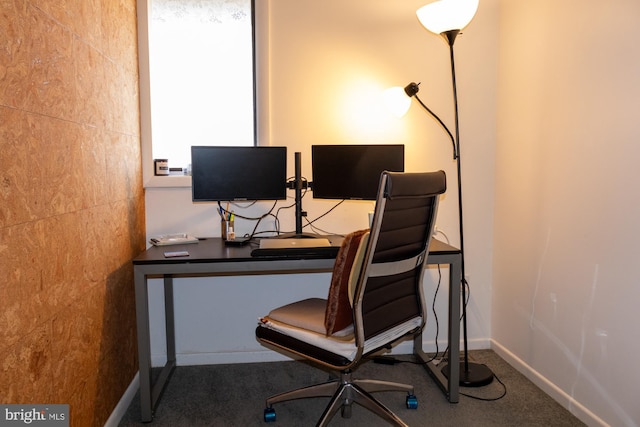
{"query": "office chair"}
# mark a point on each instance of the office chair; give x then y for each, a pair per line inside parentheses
(375, 299)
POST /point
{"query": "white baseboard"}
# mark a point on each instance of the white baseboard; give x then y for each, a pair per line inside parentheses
(124, 403)
(254, 356)
(556, 393)
(266, 355)
(219, 358)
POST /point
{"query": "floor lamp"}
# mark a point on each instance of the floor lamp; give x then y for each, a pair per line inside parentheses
(447, 18)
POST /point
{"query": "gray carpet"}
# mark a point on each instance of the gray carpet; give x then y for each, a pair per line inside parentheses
(233, 395)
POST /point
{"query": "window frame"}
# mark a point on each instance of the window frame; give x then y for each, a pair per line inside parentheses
(146, 138)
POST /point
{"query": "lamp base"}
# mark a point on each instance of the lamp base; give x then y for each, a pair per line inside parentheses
(475, 374)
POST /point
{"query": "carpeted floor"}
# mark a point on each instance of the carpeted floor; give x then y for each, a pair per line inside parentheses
(233, 395)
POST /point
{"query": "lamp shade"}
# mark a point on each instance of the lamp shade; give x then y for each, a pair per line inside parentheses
(396, 101)
(446, 15)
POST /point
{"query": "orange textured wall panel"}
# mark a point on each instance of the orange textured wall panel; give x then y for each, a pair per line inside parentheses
(71, 203)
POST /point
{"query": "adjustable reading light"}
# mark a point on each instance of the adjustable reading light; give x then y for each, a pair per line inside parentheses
(411, 90)
(447, 18)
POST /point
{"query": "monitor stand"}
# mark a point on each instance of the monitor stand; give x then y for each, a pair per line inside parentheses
(298, 186)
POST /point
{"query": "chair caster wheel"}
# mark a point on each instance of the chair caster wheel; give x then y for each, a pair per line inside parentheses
(269, 415)
(412, 402)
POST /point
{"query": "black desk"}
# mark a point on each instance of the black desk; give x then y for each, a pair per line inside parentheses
(211, 257)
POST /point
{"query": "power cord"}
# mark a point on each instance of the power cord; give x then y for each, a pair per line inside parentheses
(309, 223)
(257, 219)
(391, 360)
(488, 399)
(273, 212)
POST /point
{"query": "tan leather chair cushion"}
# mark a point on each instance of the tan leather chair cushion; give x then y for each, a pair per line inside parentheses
(307, 314)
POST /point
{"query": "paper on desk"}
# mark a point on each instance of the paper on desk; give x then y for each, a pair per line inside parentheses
(173, 239)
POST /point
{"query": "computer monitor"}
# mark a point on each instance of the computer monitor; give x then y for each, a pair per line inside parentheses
(238, 173)
(352, 171)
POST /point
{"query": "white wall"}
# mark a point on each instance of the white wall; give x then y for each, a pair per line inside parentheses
(322, 67)
(552, 282)
(565, 290)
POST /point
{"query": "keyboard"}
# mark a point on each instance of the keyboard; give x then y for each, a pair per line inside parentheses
(297, 253)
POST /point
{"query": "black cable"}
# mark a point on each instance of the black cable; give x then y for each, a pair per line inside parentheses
(504, 387)
(255, 228)
(435, 318)
(468, 292)
(327, 212)
(318, 230)
(433, 309)
(391, 360)
(308, 222)
(226, 212)
(435, 315)
(466, 302)
(488, 399)
(293, 205)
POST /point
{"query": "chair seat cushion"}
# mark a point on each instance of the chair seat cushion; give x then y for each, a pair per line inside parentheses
(268, 335)
(344, 346)
(308, 314)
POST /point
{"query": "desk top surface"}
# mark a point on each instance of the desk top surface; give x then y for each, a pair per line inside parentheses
(213, 249)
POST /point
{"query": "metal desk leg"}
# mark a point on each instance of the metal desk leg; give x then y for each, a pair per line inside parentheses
(169, 319)
(167, 370)
(455, 281)
(144, 343)
(150, 395)
(450, 385)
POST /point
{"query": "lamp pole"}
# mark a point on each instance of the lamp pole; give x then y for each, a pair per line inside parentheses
(471, 374)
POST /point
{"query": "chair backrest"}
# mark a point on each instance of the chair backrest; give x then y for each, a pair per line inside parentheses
(389, 289)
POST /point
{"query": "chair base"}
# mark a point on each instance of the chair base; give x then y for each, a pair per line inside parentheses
(344, 392)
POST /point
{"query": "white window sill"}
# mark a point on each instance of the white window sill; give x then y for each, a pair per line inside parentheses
(171, 181)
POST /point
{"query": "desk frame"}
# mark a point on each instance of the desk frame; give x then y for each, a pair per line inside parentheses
(237, 261)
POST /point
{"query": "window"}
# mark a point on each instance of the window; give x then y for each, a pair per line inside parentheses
(199, 76)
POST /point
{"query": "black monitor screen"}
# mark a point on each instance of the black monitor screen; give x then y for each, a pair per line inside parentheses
(352, 171)
(238, 173)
